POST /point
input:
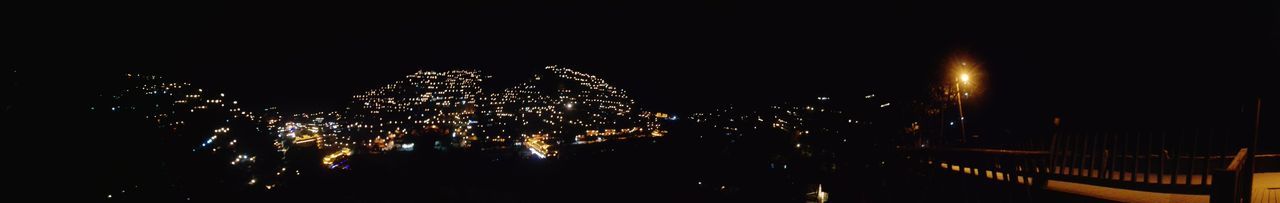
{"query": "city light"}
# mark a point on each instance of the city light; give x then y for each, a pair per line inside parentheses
(332, 158)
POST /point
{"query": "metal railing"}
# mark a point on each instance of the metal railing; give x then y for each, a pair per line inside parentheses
(1024, 167)
(1161, 162)
(1235, 182)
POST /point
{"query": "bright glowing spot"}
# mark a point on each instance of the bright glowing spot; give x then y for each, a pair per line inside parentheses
(535, 152)
(964, 77)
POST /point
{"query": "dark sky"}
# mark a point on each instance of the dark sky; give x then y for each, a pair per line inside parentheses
(1072, 56)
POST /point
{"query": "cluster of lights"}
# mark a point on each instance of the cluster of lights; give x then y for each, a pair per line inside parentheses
(561, 106)
(171, 105)
(316, 132)
(442, 102)
(792, 118)
(337, 160)
(538, 146)
(386, 143)
(182, 99)
(243, 159)
(557, 107)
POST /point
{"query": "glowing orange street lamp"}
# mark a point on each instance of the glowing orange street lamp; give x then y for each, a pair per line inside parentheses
(962, 79)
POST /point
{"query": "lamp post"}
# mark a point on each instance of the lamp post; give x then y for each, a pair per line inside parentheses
(963, 80)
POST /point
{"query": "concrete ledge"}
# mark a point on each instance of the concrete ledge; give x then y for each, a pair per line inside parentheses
(1121, 195)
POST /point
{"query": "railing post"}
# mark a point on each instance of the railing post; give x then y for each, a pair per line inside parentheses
(1151, 141)
(1077, 154)
(1164, 153)
(1233, 183)
(1106, 157)
(1204, 178)
(1096, 165)
(1191, 158)
(1117, 160)
(1122, 150)
(1133, 154)
(1115, 156)
(1093, 154)
(1173, 177)
(1251, 163)
(1038, 180)
(1223, 189)
(1053, 147)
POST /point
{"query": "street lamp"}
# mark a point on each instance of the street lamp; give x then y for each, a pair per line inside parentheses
(964, 79)
(964, 75)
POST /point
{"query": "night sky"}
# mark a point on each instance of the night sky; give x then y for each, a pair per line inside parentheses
(1152, 64)
(681, 56)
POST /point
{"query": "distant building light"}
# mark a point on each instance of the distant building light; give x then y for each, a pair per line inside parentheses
(539, 154)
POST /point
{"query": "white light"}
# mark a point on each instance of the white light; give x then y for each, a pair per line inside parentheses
(535, 152)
